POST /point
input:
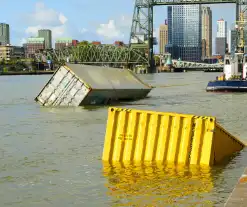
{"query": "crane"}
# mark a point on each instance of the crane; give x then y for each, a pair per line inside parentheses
(241, 23)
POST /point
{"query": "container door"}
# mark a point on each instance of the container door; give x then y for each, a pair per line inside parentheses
(63, 89)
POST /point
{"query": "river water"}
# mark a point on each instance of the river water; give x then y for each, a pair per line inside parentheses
(52, 156)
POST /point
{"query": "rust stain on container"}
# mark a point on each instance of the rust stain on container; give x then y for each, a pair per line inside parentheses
(137, 135)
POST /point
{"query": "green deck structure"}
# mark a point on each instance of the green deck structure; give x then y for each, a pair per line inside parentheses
(95, 54)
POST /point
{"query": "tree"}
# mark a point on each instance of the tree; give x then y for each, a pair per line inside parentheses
(83, 43)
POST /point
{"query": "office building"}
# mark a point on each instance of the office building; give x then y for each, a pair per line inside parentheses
(5, 52)
(18, 52)
(220, 46)
(8, 52)
(221, 37)
(221, 28)
(34, 44)
(63, 42)
(206, 32)
(163, 37)
(47, 35)
(4, 34)
(184, 32)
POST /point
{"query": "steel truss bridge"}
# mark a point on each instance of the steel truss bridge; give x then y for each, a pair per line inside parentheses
(95, 54)
(139, 52)
(193, 65)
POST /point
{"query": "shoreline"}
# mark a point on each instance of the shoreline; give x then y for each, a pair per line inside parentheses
(41, 72)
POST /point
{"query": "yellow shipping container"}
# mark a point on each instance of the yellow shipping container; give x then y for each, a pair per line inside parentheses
(137, 135)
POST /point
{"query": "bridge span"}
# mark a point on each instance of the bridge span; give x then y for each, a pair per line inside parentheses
(110, 55)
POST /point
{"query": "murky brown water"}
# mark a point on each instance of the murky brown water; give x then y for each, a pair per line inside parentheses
(52, 156)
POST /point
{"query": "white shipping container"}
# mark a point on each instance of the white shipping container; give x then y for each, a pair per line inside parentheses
(75, 84)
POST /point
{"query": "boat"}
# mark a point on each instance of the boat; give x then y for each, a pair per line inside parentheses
(234, 75)
(235, 66)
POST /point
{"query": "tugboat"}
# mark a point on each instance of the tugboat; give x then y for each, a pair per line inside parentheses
(235, 68)
(234, 77)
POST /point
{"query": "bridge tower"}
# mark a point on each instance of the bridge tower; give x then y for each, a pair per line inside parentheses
(141, 34)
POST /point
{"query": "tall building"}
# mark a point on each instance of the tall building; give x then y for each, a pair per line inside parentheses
(206, 32)
(184, 32)
(34, 44)
(47, 35)
(221, 37)
(4, 34)
(163, 37)
(221, 28)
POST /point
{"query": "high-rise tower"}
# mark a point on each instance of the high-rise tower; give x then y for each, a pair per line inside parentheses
(46, 34)
(4, 34)
(184, 32)
(163, 37)
(221, 37)
(206, 32)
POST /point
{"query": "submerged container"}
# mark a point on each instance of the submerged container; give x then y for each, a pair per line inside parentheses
(149, 136)
(75, 85)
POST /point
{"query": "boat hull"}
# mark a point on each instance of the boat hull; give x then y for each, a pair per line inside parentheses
(227, 86)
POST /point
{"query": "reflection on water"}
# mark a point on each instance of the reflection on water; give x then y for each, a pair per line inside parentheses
(157, 184)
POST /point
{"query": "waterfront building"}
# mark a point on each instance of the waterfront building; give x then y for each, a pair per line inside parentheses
(63, 42)
(34, 44)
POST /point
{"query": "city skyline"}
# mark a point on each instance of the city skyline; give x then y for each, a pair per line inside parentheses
(66, 19)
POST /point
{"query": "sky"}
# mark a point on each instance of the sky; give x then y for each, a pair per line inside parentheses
(92, 20)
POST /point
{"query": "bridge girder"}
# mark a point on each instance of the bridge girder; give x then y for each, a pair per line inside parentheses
(95, 54)
(142, 22)
(185, 64)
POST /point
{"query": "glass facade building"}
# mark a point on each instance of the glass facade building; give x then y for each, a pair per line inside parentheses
(184, 32)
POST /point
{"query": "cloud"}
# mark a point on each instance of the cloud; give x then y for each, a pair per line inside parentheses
(109, 30)
(62, 18)
(47, 18)
(22, 41)
(118, 28)
(83, 30)
(33, 30)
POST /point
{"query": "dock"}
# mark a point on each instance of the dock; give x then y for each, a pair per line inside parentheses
(238, 196)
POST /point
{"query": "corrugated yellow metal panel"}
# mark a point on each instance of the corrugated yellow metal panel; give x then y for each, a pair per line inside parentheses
(137, 135)
(225, 144)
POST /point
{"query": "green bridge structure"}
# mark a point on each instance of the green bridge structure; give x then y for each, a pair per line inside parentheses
(139, 51)
(96, 54)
